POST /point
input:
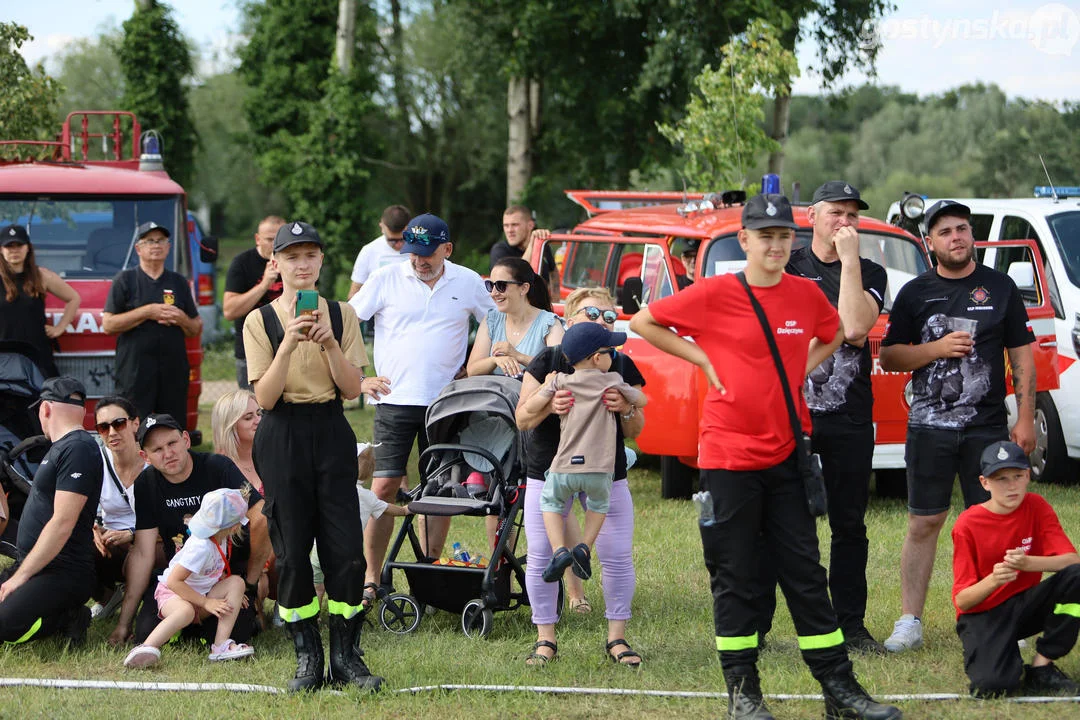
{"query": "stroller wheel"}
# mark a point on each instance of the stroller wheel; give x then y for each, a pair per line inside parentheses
(476, 620)
(400, 613)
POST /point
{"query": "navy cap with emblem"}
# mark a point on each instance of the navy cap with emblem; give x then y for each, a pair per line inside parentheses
(1001, 455)
(945, 208)
(153, 422)
(839, 191)
(583, 339)
(765, 211)
(423, 234)
(14, 235)
(146, 227)
(294, 233)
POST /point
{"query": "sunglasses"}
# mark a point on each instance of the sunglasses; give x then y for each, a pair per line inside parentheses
(500, 285)
(595, 313)
(420, 239)
(118, 424)
(610, 352)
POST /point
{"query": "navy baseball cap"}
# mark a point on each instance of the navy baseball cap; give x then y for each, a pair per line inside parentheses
(62, 389)
(423, 234)
(146, 227)
(153, 422)
(295, 233)
(14, 234)
(945, 208)
(839, 191)
(583, 339)
(1003, 455)
(766, 211)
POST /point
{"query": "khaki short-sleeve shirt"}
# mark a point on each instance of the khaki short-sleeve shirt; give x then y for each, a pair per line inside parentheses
(308, 380)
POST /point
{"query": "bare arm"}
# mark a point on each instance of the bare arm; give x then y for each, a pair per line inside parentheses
(116, 323)
(236, 305)
(529, 419)
(191, 326)
(175, 582)
(820, 351)
(56, 285)
(480, 360)
(259, 538)
(858, 309)
(972, 595)
(905, 358)
(66, 508)
(140, 564)
(353, 289)
(345, 376)
(1022, 360)
(664, 338)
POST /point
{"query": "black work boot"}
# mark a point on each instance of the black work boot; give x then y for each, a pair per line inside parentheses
(346, 661)
(309, 654)
(744, 694)
(845, 698)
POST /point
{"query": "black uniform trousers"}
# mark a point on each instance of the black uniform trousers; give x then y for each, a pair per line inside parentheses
(38, 608)
(846, 447)
(991, 657)
(770, 503)
(306, 458)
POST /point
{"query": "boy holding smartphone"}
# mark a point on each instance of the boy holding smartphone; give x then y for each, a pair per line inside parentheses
(304, 355)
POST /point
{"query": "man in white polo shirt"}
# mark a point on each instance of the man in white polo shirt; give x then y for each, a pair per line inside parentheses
(383, 250)
(421, 310)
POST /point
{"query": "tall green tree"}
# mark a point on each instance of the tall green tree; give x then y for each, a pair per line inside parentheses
(157, 65)
(28, 96)
(89, 70)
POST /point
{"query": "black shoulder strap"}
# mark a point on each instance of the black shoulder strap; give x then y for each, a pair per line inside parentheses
(793, 415)
(116, 480)
(274, 332)
(336, 323)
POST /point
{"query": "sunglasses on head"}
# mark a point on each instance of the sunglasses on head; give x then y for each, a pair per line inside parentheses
(500, 285)
(118, 424)
(414, 239)
(595, 313)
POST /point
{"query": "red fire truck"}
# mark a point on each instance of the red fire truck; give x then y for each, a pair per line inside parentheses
(631, 245)
(103, 177)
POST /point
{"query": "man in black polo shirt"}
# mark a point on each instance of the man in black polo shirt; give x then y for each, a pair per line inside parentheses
(839, 396)
(46, 590)
(152, 311)
(252, 282)
(167, 494)
(520, 233)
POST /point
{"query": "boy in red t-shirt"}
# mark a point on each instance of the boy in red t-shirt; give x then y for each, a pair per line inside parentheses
(746, 451)
(1001, 548)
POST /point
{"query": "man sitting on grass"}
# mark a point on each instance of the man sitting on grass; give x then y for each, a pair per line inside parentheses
(1001, 548)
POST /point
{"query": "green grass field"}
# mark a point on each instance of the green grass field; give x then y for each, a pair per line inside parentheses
(672, 628)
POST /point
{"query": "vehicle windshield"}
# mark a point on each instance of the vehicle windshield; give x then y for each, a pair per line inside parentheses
(900, 257)
(1065, 228)
(90, 237)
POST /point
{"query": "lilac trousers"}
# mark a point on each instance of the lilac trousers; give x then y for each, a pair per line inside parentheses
(614, 549)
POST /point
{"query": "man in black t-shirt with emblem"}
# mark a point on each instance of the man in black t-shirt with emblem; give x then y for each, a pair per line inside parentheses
(152, 310)
(46, 590)
(252, 281)
(167, 494)
(952, 327)
(520, 233)
(841, 404)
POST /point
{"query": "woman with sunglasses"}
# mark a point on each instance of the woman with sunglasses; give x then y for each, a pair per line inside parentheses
(614, 545)
(520, 325)
(22, 302)
(116, 422)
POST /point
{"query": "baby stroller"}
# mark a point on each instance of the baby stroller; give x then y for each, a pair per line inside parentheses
(470, 427)
(22, 446)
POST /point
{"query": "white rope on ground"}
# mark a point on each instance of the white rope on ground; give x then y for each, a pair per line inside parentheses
(60, 683)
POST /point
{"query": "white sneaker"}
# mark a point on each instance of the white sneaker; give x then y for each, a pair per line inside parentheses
(142, 656)
(906, 634)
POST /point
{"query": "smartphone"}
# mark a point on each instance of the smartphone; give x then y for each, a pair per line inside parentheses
(307, 302)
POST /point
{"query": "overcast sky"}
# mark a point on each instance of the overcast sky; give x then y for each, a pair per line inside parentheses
(1030, 49)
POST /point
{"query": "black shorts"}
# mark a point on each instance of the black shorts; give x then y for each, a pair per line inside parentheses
(935, 456)
(396, 427)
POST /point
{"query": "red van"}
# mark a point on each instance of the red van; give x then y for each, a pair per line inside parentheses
(631, 245)
(81, 206)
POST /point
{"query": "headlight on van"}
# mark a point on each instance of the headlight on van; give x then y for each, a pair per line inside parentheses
(913, 206)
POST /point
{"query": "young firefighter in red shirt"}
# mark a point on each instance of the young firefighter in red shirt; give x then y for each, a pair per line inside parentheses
(1001, 548)
(746, 453)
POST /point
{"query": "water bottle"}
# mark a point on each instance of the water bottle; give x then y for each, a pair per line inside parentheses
(460, 553)
(704, 504)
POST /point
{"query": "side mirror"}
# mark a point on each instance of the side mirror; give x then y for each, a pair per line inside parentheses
(630, 295)
(208, 249)
(1023, 274)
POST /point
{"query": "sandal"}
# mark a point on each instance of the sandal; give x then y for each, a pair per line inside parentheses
(581, 607)
(536, 659)
(582, 564)
(230, 650)
(629, 652)
(560, 560)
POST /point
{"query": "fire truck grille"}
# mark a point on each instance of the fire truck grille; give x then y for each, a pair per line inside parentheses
(95, 372)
